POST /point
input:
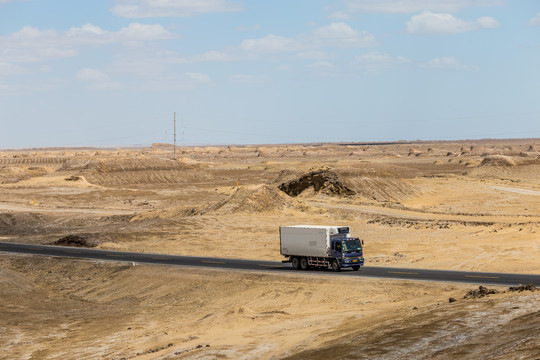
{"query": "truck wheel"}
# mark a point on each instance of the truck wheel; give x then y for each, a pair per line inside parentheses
(335, 265)
(356, 267)
(295, 263)
(304, 264)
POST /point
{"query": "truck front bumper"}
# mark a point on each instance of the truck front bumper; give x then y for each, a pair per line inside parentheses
(352, 262)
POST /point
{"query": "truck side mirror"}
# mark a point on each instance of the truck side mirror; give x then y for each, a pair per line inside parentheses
(362, 242)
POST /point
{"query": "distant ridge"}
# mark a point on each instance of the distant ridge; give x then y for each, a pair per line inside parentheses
(166, 146)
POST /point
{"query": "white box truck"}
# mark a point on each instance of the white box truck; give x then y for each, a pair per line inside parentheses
(308, 246)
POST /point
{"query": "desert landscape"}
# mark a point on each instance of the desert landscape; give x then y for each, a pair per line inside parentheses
(456, 205)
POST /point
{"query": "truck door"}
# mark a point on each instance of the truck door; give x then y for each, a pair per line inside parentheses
(336, 248)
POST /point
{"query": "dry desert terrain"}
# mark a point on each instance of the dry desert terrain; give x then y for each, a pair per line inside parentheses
(464, 205)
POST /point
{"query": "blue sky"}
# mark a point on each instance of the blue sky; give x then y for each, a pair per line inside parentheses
(106, 73)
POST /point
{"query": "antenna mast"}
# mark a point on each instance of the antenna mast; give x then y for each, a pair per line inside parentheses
(175, 136)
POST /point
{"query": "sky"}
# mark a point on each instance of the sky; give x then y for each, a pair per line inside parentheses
(114, 72)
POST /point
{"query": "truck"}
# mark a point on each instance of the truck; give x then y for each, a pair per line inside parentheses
(316, 246)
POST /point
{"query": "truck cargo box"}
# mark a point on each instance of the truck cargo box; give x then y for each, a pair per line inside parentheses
(303, 241)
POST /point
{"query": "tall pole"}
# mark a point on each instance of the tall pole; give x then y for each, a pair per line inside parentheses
(175, 136)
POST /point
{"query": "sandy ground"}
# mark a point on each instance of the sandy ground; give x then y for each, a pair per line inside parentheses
(444, 205)
(75, 309)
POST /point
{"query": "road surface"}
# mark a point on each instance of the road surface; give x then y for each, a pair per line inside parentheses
(270, 266)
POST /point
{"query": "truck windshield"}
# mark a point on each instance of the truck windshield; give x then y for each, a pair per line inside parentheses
(352, 245)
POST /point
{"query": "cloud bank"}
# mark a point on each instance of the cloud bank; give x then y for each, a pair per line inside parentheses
(428, 23)
(535, 21)
(414, 6)
(31, 44)
(335, 34)
(173, 8)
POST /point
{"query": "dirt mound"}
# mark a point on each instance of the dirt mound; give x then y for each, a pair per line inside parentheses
(171, 213)
(12, 174)
(260, 198)
(21, 223)
(510, 161)
(107, 166)
(480, 293)
(139, 170)
(25, 160)
(162, 146)
(72, 181)
(264, 198)
(381, 188)
(321, 180)
(268, 198)
(73, 178)
(499, 160)
(284, 176)
(520, 288)
(83, 240)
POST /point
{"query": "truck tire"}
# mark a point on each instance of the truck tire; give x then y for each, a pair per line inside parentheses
(295, 263)
(304, 264)
(356, 267)
(335, 265)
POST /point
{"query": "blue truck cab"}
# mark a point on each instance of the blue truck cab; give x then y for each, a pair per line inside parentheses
(349, 251)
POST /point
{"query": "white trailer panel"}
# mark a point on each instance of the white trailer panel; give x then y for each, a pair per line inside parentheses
(304, 241)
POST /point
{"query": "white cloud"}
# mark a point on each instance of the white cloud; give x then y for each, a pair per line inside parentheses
(374, 62)
(7, 69)
(45, 68)
(312, 55)
(147, 63)
(535, 21)
(141, 32)
(487, 22)
(343, 35)
(269, 43)
(412, 6)
(246, 78)
(90, 34)
(378, 58)
(283, 68)
(211, 56)
(92, 75)
(450, 63)
(321, 68)
(96, 79)
(31, 44)
(176, 8)
(335, 34)
(321, 65)
(198, 77)
(87, 31)
(339, 15)
(428, 23)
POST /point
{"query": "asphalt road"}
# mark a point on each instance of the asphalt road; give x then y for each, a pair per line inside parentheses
(271, 266)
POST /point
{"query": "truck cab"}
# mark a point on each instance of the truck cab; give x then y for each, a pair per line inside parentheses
(348, 251)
